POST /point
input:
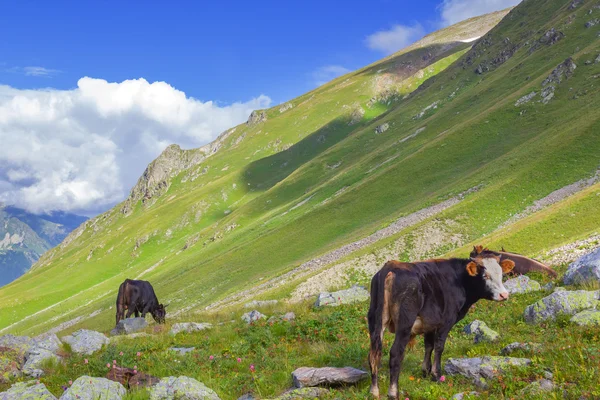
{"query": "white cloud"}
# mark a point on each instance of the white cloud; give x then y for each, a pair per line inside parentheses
(327, 73)
(83, 149)
(453, 11)
(39, 71)
(394, 39)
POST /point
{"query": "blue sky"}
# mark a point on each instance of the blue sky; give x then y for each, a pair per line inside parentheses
(92, 91)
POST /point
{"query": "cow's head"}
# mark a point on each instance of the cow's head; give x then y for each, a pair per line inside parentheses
(487, 267)
(159, 314)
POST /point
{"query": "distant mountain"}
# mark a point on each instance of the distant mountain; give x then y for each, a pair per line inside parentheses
(24, 237)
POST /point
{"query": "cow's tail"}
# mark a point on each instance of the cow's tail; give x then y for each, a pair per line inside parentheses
(375, 319)
(121, 304)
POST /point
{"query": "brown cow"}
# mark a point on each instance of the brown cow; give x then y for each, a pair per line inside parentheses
(138, 297)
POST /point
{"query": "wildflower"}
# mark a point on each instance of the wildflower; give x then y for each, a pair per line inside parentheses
(134, 371)
(70, 383)
(64, 388)
(442, 378)
(107, 365)
(412, 378)
(139, 354)
(114, 366)
(211, 358)
(121, 353)
(252, 367)
(135, 367)
(85, 360)
(114, 361)
(239, 360)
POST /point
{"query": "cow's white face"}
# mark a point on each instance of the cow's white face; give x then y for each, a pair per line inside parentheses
(492, 275)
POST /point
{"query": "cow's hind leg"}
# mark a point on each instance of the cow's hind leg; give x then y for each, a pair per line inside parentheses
(429, 342)
(440, 342)
(403, 336)
(375, 356)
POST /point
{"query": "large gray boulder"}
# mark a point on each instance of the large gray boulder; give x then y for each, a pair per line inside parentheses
(563, 302)
(481, 331)
(585, 269)
(253, 316)
(47, 341)
(481, 368)
(522, 284)
(587, 318)
(182, 388)
(85, 341)
(129, 325)
(36, 358)
(329, 376)
(347, 296)
(89, 388)
(19, 343)
(189, 327)
(27, 391)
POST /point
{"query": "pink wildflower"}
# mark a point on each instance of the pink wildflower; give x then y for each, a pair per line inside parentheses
(107, 365)
(442, 378)
(135, 367)
(114, 366)
(85, 360)
(121, 353)
(252, 367)
(239, 360)
(211, 358)
(139, 354)
(135, 371)
(114, 361)
(70, 383)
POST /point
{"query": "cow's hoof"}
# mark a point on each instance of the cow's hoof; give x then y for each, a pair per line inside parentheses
(374, 392)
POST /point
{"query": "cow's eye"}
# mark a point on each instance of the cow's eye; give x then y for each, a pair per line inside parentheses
(486, 277)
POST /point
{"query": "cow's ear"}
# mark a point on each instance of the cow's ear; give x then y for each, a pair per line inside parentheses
(507, 266)
(165, 306)
(478, 249)
(472, 268)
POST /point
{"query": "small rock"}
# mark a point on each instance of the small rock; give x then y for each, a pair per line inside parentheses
(548, 375)
(27, 391)
(548, 286)
(357, 115)
(563, 302)
(481, 368)
(286, 317)
(252, 316)
(461, 396)
(182, 350)
(85, 341)
(129, 325)
(382, 128)
(521, 284)
(535, 347)
(256, 117)
(537, 388)
(247, 396)
(89, 388)
(585, 269)
(303, 393)
(587, 318)
(525, 99)
(175, 388)
(285, 107)
(347, 296)
(482, 332)
(189, 327)
(593, 22)
(260, 303)
(36, 357)
(305, 376)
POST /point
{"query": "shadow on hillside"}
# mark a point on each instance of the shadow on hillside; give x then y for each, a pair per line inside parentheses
(265, 173)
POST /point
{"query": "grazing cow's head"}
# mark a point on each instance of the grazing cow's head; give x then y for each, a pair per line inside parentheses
(159, 314)
(486, 266)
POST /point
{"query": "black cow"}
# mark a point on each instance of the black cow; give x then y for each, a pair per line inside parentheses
(139, 297)
(428, 298)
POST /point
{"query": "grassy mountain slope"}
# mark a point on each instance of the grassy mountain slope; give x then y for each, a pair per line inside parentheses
(269, 195)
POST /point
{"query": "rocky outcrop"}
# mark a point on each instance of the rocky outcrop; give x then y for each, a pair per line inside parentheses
(253, 316)
(432, 106)
(587, 318)
(89, 388)
(356, 115)
(36, 357)
(189, 327)
(592, 22)
(171, 388)
(585, 269)
(549, 38)
(481, 368)
(526, 347)
(525, 99)
(561, 302)
(562, 71)
(285, 107)
(382, 128)
(129, 325)
(328, 376)
(481, 332)
(85, 341)
(256, 117)
(522, 284)
(347, 296)
(31, 390)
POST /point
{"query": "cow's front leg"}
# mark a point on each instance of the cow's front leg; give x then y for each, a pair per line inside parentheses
(429, 343)
(440, 342)
(396, 357)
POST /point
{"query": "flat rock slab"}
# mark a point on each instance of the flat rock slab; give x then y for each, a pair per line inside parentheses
(347, 296)
(27, 391)
(563, 302)
(36, 357)
(189, 327)
(85, 341)
(585, 269)
(181, 388)
(182, 350)
(587, 318)
(481, 331)
(328, 376)
(481, 368)
(47, 341)
(522, 284)
(253, 316)
(528, 347)
(303, 393)
(89, 388)
(129, 325)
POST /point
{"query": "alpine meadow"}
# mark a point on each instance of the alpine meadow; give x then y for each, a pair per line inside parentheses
(486, 132)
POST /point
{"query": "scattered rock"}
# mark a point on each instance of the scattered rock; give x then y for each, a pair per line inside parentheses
(130, 378)
(548, 286)
(27, 391)
(432, 106)
(85, 341)
(285, 107)
(563, 70)
(574, 4)
(525, 99)
(481, 368)
(189, 327)
(182, 350)
(537, 388)
(281, 318)
(260, 303)
(522, 284)
(329, 376)
(461, 396)
(529, 347)
(347, 296)
(173, 388)
(551, 36)
(562, 302)
(36, 357)
(89, 388)
(548, 375)
(587, 317)
(256, 117)
(593, 22)
(129, 325)
(357, 115)
(303, 393)
(585, 269)
(252, 316)
(482, 332)
(382, 128)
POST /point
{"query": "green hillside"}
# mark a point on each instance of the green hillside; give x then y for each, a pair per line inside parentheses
(432, 122)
